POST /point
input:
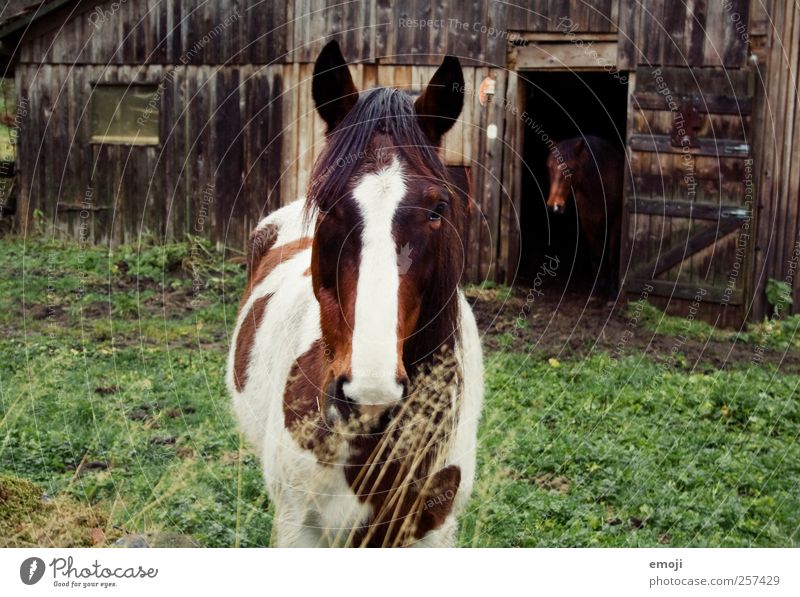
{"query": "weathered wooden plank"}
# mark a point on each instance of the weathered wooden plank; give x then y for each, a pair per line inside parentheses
(691, 245)
(673, 24)
(666, 288)
(541, 55)
(477, 171)
(709, 147)
(786, 199)
(707, 103)
(228, 149)
(274, 139)
(682, 209)
(628, 53)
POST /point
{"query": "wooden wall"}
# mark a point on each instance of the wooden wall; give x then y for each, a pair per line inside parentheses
(170, 31)
(161, 32)
(220, 152)
(776, 32)
(676, 33)
(237, 115)
(237, 120)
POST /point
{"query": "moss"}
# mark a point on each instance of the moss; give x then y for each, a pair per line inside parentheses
(27, 520)
(18, 499)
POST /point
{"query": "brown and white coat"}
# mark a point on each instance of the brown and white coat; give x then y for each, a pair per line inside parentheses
(355, 365)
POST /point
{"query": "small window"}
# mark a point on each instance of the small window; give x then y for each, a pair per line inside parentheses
(125, 114)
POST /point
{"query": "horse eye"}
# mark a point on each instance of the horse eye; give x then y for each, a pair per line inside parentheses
(436, 213)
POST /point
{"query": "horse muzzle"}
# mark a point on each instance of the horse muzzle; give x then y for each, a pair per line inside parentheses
(341, 403)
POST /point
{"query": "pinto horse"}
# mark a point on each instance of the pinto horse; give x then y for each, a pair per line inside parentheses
(355, 367)
(590, 170)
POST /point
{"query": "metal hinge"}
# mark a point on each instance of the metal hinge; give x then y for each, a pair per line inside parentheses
(741, 149)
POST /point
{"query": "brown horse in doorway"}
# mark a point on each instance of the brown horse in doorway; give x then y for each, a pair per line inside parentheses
(590, 169)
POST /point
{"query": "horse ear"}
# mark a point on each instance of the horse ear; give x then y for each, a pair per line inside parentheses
(440, 104)
(332, 86)
(579, 146)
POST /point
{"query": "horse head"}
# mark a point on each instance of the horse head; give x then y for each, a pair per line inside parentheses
(387, 250)
(562, 162)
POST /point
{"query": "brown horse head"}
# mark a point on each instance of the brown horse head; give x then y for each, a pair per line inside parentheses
(562, 162)
(387, 252)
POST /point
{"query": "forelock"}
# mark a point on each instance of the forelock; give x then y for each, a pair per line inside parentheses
(381, 126)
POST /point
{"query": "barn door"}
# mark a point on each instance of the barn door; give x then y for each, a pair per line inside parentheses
(689, 191)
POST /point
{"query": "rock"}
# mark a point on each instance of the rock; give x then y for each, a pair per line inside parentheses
(97, 536)
(156, 539)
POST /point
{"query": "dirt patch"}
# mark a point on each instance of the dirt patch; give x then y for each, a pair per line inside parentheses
(573, 326)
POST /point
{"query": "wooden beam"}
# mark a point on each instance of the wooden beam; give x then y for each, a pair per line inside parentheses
(533, 36)
(679, 290)
(712, 147)
(672, 257)
(683, 209)
(567, 55)
(707, 104)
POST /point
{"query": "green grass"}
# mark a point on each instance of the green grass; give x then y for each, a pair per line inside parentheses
(629, 453)
(93, 371)
(112, 397)
(777, 333)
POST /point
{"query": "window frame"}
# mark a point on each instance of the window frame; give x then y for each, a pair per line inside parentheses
(132, 141)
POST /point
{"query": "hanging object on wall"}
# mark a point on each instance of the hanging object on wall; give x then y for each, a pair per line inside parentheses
(486, 91)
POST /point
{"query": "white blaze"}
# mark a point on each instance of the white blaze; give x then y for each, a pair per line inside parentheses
(374, 354)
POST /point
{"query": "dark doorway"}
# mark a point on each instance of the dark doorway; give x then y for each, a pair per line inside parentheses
(558, 106)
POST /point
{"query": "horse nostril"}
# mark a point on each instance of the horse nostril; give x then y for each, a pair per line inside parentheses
(339, 405)
(403, 381)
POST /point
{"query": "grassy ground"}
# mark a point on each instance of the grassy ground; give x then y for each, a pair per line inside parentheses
(112, 401)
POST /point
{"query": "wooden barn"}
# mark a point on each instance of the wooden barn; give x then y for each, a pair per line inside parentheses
(175, 117)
